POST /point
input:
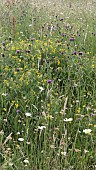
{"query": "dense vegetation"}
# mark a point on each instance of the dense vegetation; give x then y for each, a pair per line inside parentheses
(48, 85)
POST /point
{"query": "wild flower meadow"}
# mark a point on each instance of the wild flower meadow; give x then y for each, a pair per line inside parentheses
(47, 85)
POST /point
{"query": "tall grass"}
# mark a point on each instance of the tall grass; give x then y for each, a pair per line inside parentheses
(48, 85)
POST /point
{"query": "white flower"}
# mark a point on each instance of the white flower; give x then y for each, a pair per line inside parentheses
(20, 139)
(41, 127)
(68, 120)
(18, 133)
(41, 88)
(63, 153)
(26, 161)
(86, 151)
(87, 131)
(30, 25)
(4, 94)
(28, 114)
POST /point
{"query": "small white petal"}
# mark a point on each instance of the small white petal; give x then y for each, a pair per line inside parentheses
(87, 131)
(4, 94)
(18, 133)
(68, 120)
(28, 114)
(41, 88)
(26, 161)
(41, 127)
(20, 139)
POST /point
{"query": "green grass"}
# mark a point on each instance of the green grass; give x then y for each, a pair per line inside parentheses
(48, 85)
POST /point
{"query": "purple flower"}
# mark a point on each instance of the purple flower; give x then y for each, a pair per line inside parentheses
(72, 39)
(74, 53)
(92, 114)
(3, 43)
(17, 69)
(18, 111)
(80, 53)
(49, 81)
(61, 19)
(32, 39)
(28, 51)
(18, 51)
(63, 35)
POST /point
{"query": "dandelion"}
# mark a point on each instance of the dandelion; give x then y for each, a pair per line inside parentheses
(68, 120)
(87, 131)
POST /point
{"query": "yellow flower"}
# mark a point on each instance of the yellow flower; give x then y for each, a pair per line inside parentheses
(4, 109)
(78, 110)
(16, 105)
(58, 62)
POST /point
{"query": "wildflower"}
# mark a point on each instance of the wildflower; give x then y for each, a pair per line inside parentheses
(61, 19)
(85, 151)
(80, 53)
(4, 94)
(28, 114)
(3, 43)
(72, 39)
(18, 51)
(63, 35)
(17, 69)
(41, 88)
(18, 133)
(49, 81)
(64, 153)
(28, 51)
(18, 111)
(74, 53)
(10, 38)
(26, 161)
(68, 120)
(41, 127)
(87, 131)
(21, 139)
(32, 39)
(50, 117)
(2, 54)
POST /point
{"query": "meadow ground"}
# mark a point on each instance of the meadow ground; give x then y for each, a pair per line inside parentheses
(48, 85)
